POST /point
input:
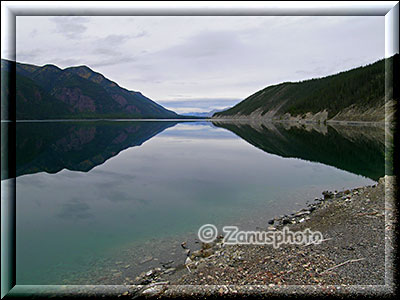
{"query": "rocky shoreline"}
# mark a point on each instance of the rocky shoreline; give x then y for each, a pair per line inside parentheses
(356, 225)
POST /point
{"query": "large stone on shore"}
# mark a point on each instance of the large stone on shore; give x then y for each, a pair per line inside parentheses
(339, 195)
(205, 246)
(327, 194)
(302, 213)
(201, 253)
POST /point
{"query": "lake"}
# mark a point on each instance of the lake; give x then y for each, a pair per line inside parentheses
(99, 202)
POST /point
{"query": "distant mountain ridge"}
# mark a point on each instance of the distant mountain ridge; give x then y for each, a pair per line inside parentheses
(49, 92)
(354, 95)
(203, 114)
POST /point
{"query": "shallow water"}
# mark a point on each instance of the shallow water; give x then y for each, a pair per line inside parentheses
(100, 202)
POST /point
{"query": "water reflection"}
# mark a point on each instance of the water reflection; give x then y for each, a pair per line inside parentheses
(356, 149)
(73, 227)
(80, 146)
(77, 146)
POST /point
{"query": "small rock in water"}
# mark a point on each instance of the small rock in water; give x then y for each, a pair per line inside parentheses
(271, 221)
(146, 259)
(170, 270)
(188, 261)
(166, 264)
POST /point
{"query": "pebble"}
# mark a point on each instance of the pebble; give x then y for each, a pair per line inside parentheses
(170, 270)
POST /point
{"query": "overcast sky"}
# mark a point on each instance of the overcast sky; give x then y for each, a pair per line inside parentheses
(201, 63)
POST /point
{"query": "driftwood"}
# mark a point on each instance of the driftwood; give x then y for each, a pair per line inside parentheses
(318, 243)
(342, 264)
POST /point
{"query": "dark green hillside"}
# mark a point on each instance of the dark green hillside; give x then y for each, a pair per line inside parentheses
(362, 88)
(49, 92)
(39, 103)
(122, 96)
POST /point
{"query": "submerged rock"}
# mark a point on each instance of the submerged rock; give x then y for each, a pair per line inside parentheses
(188, 261)
(170, 270)
(146, 259)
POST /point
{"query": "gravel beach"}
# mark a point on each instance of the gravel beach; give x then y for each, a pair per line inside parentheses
(357, 227)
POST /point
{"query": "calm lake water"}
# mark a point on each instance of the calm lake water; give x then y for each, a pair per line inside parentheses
(100, 202)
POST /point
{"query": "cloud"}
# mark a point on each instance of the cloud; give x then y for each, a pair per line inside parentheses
(67, 61)
(206, 44)
(113, 40)
(70, 27)
(112, 61)
(28, 55)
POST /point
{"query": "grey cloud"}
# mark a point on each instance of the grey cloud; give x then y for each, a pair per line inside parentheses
(113, 40)
(105, 51)
(29, 55)
(206, 44)
(34, 33)
(67, 61)
(71, 27)
(139, 35)
(112, 61)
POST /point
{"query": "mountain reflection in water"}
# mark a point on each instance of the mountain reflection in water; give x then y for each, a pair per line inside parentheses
(356, 149)
(80, 146)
